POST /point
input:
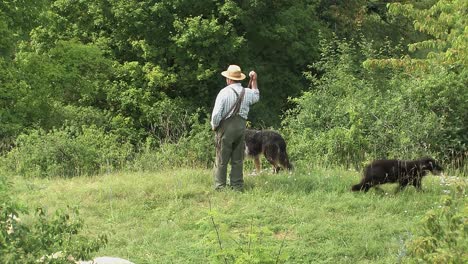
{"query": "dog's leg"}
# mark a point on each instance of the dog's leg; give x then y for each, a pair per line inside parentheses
(417, 184)
(401, 187)
(258, 165)
(276, 168)
(379, 190)
(271, 153)
(284, 160)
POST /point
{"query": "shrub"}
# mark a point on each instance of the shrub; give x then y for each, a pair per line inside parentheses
(250, 244)
(352, 115)
(50, 238)
(194, 149)
(442, 235)
(67, 152)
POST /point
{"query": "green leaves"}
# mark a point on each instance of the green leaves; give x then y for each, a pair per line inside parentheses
(7, 42)
(353, 112)
(446, 21)
(352, 115)
(68, 152)
(441, 235)
(248, 243)
(81, 72)
(44, 237)
(140, 69)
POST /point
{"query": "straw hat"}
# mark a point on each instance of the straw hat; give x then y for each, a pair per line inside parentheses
(234, 73)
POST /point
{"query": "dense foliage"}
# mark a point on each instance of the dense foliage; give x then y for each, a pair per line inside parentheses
(92, 86)
(353, 114)
(68, 152)
(389, 102)
(442, 235)
(89, 86)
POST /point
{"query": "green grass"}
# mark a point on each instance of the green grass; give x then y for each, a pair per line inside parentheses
(311, 216)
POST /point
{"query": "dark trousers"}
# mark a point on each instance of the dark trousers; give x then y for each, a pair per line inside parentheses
(230, 138)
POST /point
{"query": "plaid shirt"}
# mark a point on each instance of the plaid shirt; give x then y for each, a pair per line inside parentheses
(227, 98)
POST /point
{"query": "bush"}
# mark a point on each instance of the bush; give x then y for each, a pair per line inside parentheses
(194, 149)
(442, 235)
(352, 115)
(249, 244)
(45, 239)
(67, 152)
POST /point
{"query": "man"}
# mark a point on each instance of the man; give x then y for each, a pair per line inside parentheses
(229, 121)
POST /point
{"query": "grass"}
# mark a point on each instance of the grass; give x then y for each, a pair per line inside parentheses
(173, 216)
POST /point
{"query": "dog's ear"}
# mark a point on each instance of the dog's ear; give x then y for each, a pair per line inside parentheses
(432, 166)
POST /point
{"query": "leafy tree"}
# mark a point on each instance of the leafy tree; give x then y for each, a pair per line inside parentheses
(17, 18)
(348, 117)
(140, 69)
(349, 19)
(443, 63)
(446, 22)
(40, 84)
(7, 41)
(182, 45)
(11, 124)
(354, 113)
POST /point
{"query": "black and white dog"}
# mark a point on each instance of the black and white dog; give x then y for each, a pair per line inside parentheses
(269, 143)
(397, 171)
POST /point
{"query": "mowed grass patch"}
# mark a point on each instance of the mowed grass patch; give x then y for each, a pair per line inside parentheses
(174, 216)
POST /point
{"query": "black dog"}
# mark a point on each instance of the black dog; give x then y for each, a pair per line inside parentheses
(390, 171)
(269, 143)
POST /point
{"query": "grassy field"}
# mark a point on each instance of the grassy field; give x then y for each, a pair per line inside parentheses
(173, 216)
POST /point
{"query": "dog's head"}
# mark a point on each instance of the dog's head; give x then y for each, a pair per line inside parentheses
(249, 133)
(429, 164)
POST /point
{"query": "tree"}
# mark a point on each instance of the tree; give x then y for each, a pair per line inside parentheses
(445, 22)
(440, 73)
(183, 45)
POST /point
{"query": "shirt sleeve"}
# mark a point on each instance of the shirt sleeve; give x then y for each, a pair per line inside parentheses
(255, 96)
(218, 110)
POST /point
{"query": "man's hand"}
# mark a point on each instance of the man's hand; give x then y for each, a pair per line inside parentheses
(253, 80)
(253, 75)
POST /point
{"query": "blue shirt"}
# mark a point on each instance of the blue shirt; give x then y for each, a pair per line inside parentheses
(227, 98)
